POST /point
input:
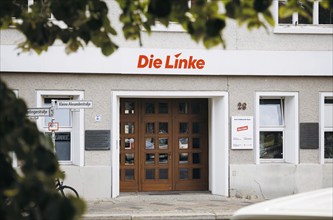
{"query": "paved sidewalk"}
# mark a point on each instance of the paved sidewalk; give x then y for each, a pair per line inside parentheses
(183, 205)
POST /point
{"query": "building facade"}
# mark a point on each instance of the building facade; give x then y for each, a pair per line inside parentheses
(254, 119)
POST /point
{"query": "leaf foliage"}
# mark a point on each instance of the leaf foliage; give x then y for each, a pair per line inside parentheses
(79, 22)
(28, 191)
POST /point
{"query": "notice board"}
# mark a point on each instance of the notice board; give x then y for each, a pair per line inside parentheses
(242, 132)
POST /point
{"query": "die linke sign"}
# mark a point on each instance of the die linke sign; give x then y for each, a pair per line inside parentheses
(175, 61)
(171, 62)
(74, 104)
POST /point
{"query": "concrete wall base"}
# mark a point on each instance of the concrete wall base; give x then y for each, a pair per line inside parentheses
(91, 182)
(267, 181)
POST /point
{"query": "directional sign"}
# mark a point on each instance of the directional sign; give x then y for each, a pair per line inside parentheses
(74, 104)
(38, 112)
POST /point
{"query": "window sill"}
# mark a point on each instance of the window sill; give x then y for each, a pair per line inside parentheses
(173, 27)
(273, 161)
(329, 161)
(303, 29)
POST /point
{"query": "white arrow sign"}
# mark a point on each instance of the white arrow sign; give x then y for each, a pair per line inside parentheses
(74, 104)
(38, 112)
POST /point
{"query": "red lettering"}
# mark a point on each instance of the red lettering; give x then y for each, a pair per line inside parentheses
(157, 63)
(151, 61)
(142, 61)
(176, 63)
(243, 128)
(200, 64)
(191, 63)
(167, 63)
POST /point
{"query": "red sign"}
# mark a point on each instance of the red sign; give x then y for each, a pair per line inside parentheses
(53, 126)
(243, 128)
(170, 62)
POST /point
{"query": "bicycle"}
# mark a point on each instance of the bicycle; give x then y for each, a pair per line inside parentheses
(65, 190)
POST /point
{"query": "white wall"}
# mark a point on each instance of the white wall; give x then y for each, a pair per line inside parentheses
(267, 181)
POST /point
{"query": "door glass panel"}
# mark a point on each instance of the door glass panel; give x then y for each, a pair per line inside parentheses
(150, 128)
(183, 128)
(196, 127)
(163, 158)
(150, 144)
(183, 143)
(163, 108)
(196, 173)
(195, 108)
(183, 108)
(195, 142)
(163, 174)
(129, 143)
(129, 159)
(150, 108)
(150, 158)
(129, 174)
(163, 143)
(196, 158)
(183, 158)
(163, 127)
(129, 128)
(150, 174)
(183, 173)
(129, 108)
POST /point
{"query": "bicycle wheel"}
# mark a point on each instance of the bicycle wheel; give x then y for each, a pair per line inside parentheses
(68, 191)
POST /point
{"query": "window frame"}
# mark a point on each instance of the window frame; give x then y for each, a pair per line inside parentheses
(273, 128)
(289, 128)
(314, 28)
(77, 128)
(322, 128)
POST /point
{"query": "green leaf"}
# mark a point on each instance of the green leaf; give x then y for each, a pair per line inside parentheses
(269, 18)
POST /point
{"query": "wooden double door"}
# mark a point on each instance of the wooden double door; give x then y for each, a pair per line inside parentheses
(163, 144)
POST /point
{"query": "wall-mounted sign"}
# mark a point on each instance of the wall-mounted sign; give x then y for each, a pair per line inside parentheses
(177, 61)
(97, 139)
(38, 112)
(74, 104)
(171, 62)
(241, 132)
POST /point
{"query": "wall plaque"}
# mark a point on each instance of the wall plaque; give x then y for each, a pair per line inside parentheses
(242, 132)
(309, 135)
(97, 139)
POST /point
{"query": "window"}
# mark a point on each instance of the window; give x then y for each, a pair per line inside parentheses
(276, 127)
(26, 4)
(63, 136)
(271, 128)
(69, 144)
(319, 22)
(173, 26)
(326, 127)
